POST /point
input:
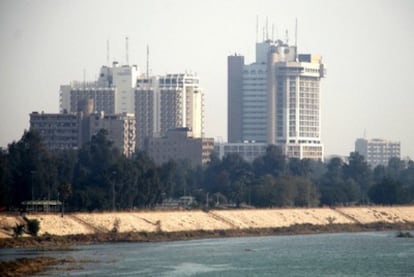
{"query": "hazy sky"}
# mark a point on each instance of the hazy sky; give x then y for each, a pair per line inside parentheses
(367, 46)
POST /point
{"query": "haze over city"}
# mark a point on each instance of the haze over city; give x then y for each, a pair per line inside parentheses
(366, 46)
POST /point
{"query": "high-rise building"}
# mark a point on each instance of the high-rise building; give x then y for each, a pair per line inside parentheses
(113, 92)
(277, 99)
(378, 151)
(168, 102)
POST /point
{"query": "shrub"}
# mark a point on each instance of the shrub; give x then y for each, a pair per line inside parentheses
(18, 230)
(33, 226)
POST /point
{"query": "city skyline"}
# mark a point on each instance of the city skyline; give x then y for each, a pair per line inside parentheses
(365, 46)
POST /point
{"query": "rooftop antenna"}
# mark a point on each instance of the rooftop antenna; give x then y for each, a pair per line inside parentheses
(296, 32)
(147, 61)
(107, 52)
(84, 78)
(273, 32)
(365, 133)
(264, 34)
(296, 38)
(126, 50)
(287, 36)
(267, 29)
(257, 28)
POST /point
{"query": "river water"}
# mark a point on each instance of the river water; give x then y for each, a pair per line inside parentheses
(343, 254)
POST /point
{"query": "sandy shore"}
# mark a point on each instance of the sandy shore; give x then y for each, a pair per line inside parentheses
(184, 221)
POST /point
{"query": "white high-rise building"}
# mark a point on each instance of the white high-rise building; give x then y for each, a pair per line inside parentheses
(277, 99)
(168, 102)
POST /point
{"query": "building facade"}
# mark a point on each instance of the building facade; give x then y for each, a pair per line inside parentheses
(248, 151)
(167, 102)
(120, 128)
(159, 103)
(112, 93)
(277, 99)
(71, 131)
(58, 131)
(179, 144)
(378, 151)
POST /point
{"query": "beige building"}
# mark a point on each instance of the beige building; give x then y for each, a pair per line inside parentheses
(179, 144)
(120, 127)
(58, 131)
(71, 131)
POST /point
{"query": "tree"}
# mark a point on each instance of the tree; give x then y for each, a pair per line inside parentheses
(65, 190)
(273, 162)
(389, 192)
(359, 171)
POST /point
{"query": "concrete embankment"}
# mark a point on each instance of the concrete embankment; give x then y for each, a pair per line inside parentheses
(176, 221)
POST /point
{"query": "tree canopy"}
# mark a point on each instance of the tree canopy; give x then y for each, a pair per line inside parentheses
(98, 177)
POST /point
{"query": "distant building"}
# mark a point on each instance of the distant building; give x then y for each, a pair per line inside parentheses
(120, 127)
(112, 93)
(58, 131)
(378, 151)
(167, 102)
(159, 103)
(248, 151)
(276, 99)
(179, 144)
(71, 131)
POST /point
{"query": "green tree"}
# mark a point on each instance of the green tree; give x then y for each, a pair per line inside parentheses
(388, 192)
(273, 162)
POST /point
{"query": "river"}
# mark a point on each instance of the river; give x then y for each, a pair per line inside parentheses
(341, 254)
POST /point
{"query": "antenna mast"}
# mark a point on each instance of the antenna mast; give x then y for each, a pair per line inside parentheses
(257, 28)
(147, 61)
(126, 50)
(273, 32)
(296, 33)
(296, 38)
(107, 52)
(267, 28)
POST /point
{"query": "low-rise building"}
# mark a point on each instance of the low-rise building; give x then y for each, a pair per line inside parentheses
(378, 151)
(249, 151)
(179, 144)
(72, 130)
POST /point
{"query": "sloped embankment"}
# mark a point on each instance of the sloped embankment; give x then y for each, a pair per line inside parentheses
(187, 221)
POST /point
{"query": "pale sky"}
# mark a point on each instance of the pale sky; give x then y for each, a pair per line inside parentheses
(367, 46)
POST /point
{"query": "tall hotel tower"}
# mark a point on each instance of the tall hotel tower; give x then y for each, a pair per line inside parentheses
(277, 99)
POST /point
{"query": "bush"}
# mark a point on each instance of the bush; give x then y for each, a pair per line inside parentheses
(33, 226)
(18, 230)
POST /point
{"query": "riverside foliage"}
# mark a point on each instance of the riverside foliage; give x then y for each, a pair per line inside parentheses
(99, 177)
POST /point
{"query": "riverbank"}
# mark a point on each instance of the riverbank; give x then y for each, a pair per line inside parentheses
(53, 242)
(83, 228)
(197, 220)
